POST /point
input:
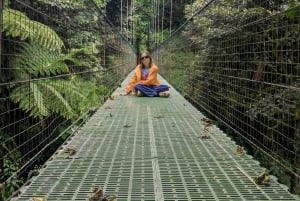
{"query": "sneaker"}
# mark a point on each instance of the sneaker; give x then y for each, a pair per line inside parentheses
(139, 94)
(164, 94)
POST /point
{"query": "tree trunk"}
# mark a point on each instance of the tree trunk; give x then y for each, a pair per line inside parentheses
(295, 189)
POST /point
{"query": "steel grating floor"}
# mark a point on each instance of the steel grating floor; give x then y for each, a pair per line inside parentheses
(140, 148)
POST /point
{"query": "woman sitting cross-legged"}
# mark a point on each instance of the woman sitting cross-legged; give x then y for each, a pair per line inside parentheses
(144, 81)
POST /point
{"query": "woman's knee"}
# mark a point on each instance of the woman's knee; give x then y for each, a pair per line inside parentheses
(164, 87)
(136, 86)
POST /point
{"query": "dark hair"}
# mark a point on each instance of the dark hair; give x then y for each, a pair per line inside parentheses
(147, 53)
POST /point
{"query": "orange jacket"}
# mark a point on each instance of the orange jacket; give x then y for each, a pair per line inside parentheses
(137, 76)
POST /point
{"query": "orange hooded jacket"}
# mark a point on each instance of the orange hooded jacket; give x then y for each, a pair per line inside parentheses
(137, 76)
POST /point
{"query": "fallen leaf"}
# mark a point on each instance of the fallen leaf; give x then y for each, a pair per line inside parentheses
(98, 195)
(70, 151)
(263, 179)
(204, 137)
(239, 151)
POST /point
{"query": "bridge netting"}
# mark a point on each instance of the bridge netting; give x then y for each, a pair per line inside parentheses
(237, 61)
(60, 60)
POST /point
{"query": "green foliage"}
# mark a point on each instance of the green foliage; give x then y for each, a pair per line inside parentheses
(89, 96)
(13, 186)
(218, 20)
(7, 148)
(84, 40)
(42, 57)
(32, 102)
(144, 22)
(294, 9)
(37, 61)
(101, 3)
(279, 102)
(179, 78)
(16, 24)
(81, 16)
(68, 98)
(64, 3)
(47, 96)
(10, 165)
(246, 60)
(86, 57)
(44, 80)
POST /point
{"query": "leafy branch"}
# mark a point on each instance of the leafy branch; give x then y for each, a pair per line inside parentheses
(17, 24)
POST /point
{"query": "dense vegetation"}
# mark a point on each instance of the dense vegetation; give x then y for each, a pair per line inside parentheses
(239, 63)
(52, 73)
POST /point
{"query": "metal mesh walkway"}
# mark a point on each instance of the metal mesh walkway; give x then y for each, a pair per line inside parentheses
(140, 148)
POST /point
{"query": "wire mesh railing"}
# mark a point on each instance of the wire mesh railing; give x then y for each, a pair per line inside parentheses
(59, 61)
(239, 62)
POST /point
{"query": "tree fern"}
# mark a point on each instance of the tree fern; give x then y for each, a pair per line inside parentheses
(31, 102)
(56, 102)
(65, 97)
(81, 95)
(38, 61)
(48, 96)
(17, 24)
(43, 97)
(84, 95)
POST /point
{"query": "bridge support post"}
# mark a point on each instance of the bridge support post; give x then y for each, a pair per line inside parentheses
(1, 25)
(295, 178)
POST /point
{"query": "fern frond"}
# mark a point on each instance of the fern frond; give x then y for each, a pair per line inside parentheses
(17, 24)
(41, 99)
(71, 88)
(32, 102)
(38, 61)
(90, 92)
(81, 95)
(87, 52)
(38, 99)
(63, 97)
(57, 103)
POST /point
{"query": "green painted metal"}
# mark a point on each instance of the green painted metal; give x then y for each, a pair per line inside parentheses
(140, 148)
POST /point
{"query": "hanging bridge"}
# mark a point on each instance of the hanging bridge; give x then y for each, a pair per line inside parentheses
(229, 130)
